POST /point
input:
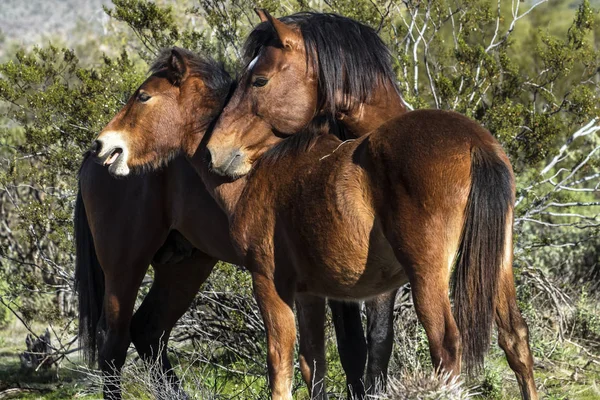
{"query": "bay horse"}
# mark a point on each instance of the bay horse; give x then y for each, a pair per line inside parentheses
(423, 194)
(422, 197)
(121, 224)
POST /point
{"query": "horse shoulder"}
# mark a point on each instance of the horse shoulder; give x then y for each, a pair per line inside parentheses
(253, 218)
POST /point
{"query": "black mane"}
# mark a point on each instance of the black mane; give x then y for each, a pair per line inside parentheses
(211, 72)
(349, 57)
(304, 140)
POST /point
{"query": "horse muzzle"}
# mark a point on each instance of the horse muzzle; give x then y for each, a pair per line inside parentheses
(230, 162)
(111, 151)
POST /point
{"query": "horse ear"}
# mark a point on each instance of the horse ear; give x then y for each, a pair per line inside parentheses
(262, 14)
(289, 37)
(177, 66)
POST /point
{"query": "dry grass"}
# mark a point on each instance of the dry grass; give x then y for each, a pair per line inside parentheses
(426, 385)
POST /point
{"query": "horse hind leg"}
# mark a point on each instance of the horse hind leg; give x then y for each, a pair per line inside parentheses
(173, 290)
(513, 334)
(428, 268)
(432, 304)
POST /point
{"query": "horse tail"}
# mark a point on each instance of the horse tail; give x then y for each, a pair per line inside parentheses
(488, 216)
(89, 282)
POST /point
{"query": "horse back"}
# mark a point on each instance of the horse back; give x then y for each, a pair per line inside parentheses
(429, 153)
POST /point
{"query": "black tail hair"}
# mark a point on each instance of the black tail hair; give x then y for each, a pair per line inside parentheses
(480, 254)
(89, 282)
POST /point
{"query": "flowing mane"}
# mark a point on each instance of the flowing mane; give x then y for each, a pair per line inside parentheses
(211, 72)
(349, 57)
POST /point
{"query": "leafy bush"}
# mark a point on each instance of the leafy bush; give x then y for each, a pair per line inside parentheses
(526, 70)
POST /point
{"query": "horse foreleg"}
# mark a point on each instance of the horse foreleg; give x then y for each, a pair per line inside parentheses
(351, 343)
(173, 290)
(380, 338)
(310, 311)
(275, 305)
(119, 299)
(513, 334)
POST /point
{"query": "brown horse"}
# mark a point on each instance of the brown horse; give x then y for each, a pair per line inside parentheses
(423, 194)
(121, 224)
(344, 48)
(361, 93)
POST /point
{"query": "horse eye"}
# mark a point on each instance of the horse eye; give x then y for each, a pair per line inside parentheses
(144, 97)
(260, 81)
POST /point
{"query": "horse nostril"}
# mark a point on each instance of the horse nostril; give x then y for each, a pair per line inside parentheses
(208, 158)
(96, 147)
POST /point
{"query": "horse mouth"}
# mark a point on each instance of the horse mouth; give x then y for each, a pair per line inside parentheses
(111, 152)
(114, 155)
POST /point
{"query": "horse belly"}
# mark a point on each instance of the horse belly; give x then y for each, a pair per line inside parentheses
(355, 267)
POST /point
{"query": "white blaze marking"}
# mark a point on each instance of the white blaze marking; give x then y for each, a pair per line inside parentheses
(253, 63)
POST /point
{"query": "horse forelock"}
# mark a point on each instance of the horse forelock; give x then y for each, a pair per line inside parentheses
(350, 59)
(212, 72)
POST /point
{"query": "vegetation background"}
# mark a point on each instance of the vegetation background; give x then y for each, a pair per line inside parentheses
(527, 70)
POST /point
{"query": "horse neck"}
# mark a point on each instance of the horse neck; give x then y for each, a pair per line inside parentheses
(225, 191)
(382, 106)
